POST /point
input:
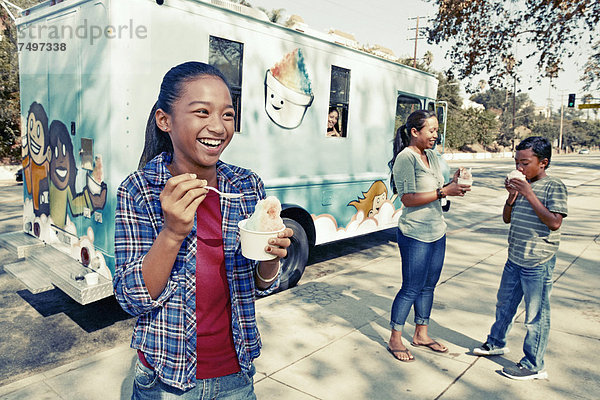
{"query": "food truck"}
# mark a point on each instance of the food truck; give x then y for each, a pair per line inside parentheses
(90, 71)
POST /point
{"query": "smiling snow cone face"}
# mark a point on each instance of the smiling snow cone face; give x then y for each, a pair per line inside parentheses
(287, 91)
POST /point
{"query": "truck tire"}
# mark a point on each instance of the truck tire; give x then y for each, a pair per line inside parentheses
(292, 266)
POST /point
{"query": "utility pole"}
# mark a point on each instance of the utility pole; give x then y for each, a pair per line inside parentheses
(416, 39)
(513, 111)
(560, 135)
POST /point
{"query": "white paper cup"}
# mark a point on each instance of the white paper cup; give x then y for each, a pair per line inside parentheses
(254, 243)
(91, 278)
(93, 186)
(462, 181)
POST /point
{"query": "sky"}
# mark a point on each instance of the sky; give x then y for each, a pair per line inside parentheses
(391, 23)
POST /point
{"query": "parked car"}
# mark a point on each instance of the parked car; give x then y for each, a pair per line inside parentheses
(19, 175)
(584, 151)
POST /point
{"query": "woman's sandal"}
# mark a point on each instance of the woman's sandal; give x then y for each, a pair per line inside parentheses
(430, 346)
(405, 351)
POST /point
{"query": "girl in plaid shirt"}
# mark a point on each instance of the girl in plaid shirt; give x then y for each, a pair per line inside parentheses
(179, 266)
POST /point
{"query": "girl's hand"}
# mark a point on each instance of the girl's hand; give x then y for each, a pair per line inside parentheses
(456, 175)
(179, 200)
(269, 269)
(278, 246)
(454, 189)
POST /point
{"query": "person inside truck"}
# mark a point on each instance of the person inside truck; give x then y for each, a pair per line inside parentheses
(333, 129)
(179, 267)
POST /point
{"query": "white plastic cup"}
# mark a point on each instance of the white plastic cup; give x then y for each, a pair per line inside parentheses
(462, 181)
(254, 243)
(91, 278)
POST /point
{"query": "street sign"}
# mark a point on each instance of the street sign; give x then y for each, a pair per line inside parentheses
(592, 105)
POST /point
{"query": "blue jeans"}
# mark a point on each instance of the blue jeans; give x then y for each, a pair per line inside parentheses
(534, 285)
(421, 268)
(238, 386)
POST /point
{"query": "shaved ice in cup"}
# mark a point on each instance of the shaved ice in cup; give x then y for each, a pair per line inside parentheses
(464, 176)
(265, 223)
(288, 90)
(516, 174)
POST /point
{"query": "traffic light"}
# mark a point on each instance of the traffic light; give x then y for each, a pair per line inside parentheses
(571, 100)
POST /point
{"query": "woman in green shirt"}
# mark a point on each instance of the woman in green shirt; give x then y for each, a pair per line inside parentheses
(418, 180)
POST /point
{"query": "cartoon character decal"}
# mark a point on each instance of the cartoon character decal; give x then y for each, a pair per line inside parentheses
(52, 201)
(62, 183)
(288, 92)
(36, 158)
(372, 199)
(374, 211)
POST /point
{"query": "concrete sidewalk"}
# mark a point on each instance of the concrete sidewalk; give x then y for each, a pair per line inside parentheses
(326, 339)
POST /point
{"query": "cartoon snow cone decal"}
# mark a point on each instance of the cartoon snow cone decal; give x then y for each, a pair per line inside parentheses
(287, 91)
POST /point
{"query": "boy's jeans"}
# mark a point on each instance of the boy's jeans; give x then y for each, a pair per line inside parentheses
(534, 285)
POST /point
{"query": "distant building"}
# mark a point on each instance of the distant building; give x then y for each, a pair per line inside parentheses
(541, 111)
(466, 104)
(297, 22)
(346, 39)
(383, 52)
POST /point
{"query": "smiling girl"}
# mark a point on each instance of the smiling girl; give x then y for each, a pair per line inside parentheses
(179, 266)
(418, 180)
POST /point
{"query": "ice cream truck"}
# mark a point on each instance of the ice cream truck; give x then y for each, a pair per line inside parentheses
(315, 118)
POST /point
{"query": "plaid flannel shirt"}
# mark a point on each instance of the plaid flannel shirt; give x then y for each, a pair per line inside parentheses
(166, 327)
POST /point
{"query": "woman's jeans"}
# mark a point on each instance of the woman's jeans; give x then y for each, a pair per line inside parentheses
(238, 386)
(421, 268)
(534, 285)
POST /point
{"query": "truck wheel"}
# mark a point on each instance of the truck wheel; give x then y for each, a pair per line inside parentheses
(292, 266)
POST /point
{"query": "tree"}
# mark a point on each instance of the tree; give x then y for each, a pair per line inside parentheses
(470, 126)
(500, 102)
(275, 15)
(10, 121)
(591, 72)
(486, 33)
(243, 3)
(449, 91)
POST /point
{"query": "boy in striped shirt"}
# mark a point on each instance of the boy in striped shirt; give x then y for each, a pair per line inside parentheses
(535, 209)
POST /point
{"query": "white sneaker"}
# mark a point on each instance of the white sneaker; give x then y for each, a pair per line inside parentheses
(487, 349)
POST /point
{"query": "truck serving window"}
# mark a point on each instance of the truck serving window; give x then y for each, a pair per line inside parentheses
(339, 96)
(228, 56)
(404, 106)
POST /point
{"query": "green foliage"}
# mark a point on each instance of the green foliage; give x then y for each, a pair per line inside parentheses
(512, 111)
(591, 72)
(470, 126)
(576, 132)
(486, 35)
(10, 121)
(548, 128)
(449, 90)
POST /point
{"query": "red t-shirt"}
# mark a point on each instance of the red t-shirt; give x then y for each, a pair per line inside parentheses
(214, 345)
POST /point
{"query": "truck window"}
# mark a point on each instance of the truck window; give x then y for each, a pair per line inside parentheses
(339, 96)
(228, 56)
(404, 106)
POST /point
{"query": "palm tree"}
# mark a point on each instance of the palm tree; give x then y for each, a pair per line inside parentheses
(274, 15)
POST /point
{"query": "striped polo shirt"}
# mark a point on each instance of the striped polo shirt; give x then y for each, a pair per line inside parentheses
(530, 241)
